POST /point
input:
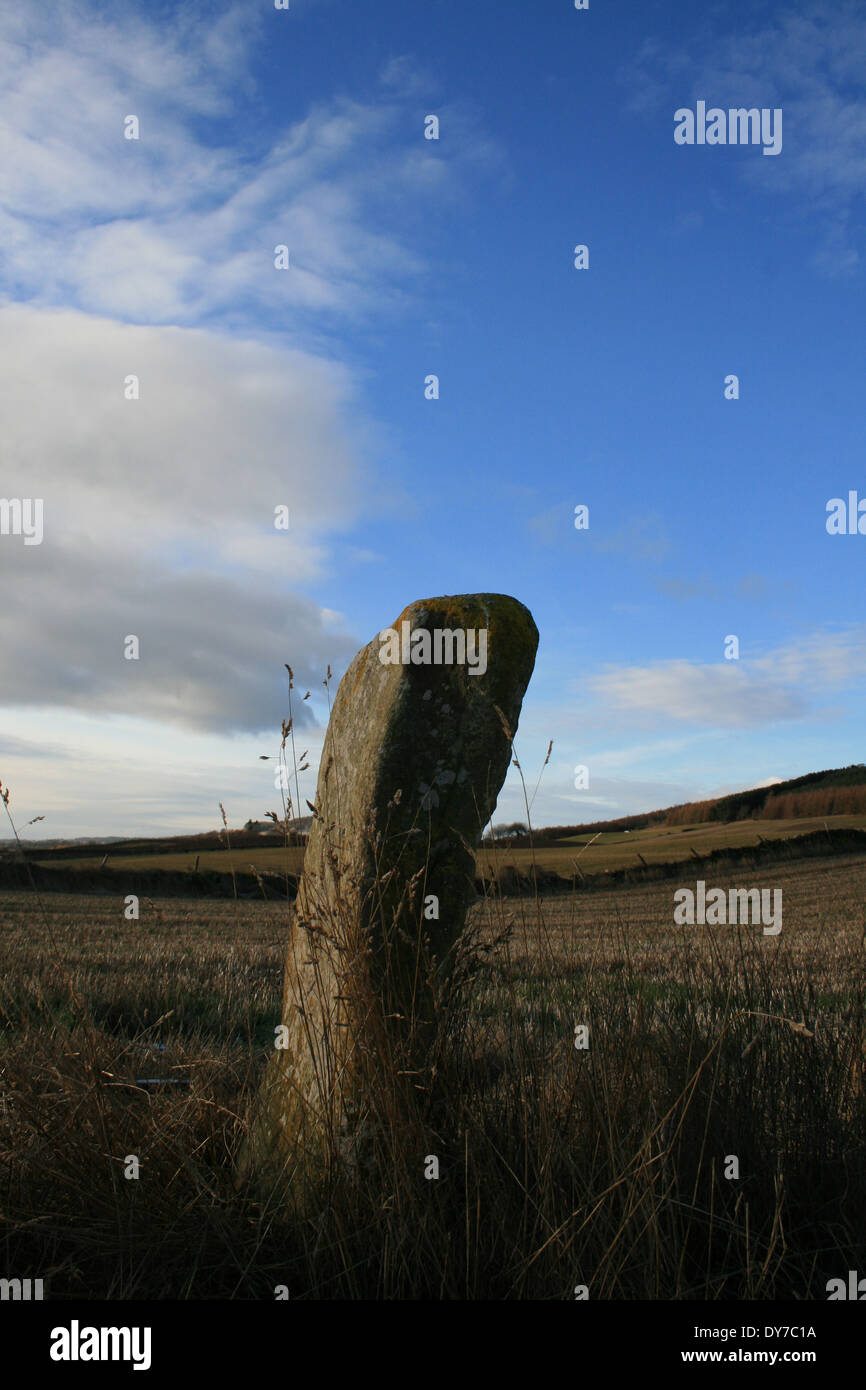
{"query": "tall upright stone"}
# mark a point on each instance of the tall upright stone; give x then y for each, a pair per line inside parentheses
(415, 754)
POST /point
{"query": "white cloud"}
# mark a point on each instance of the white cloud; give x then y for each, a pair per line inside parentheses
(224, 430)
(159, 512)
(786, 683)
(125, 775)
(182, 223)
(159, 516)
(709, 695)
(808, 63)
(818, 662)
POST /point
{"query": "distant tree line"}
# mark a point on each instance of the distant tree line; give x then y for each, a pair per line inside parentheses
(837, 791)
(516, 831)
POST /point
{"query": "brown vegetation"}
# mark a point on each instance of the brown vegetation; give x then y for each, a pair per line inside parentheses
(558, 1167)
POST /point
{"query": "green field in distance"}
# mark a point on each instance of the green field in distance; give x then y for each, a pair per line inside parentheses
(594, 854)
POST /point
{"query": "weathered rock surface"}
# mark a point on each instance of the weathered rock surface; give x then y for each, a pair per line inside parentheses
(413, 760)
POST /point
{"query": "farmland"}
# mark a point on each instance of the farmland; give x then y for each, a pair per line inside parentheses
(594, 854)
(603, 1167)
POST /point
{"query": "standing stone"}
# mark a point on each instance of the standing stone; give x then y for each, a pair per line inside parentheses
(415, 754)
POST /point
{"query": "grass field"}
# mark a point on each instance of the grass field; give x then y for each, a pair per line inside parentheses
(558, 1166)
(658, 845)
(277, 861)
(608, 851)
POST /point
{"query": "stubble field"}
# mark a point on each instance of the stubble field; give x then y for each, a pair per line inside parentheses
(606, 1167)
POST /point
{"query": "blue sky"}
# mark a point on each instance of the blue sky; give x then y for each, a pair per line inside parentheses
(558, 386)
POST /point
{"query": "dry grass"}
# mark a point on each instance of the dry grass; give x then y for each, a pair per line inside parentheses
(558, 1167)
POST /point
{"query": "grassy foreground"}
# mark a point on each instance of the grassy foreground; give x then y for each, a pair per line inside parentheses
(558, 1167)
